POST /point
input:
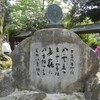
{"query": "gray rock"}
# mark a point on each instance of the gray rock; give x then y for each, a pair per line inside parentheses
(8, 98)
(62, 96)
(91, 88)
(25, 95)
(53, 60)
(7, 85)
(36, 96)
(20, 69)
(98, 91)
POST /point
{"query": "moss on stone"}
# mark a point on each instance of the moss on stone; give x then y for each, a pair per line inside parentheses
(5, 61)
(64, 99)
(78, 97)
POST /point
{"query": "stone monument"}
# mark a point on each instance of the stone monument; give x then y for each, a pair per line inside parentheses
(55, 60)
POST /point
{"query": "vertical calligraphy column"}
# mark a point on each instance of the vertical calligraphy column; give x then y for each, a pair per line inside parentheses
(57, 64)
(47, 61)
(37, 61)
(65, 59)
(72, 63)
(50, 62)
(43, 60)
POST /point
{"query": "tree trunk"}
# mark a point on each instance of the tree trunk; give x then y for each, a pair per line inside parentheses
(2, 10)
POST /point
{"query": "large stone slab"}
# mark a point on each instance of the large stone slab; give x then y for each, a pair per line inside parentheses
(20, 69)
(53, 60)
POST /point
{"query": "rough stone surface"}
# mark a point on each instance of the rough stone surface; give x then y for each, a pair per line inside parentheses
(98, 93)
(53, 60)
(24, 95)
(97, 89)
(33, 95)
(7, 85)
(73, 96)
(20, 69)
(91, 88)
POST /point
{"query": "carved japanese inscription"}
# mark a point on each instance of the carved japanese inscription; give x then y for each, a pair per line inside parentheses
(54, 60)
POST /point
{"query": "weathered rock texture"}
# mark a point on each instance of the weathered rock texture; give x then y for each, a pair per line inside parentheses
(24, 95)
(53, 60)
(91, 88)
(73, 96)
(32, 95)
(21, 59)
(7, 85)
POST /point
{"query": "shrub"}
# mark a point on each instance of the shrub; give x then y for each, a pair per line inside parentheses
(5, 61)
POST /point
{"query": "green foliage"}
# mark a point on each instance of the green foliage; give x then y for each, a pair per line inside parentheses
(87, 38)
(72, 18)
(2, 4)
(25, 15)
(75, 7)
(73, 21)
(87, 20)
(5, 61)
(69, 19)
(28, 15)
(86, 8)
(0, 43)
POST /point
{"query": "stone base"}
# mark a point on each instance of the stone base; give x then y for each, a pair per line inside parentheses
(60, 96)
(24, 95)
(34, 95)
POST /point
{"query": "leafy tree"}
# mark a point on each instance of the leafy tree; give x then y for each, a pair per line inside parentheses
(74, 7)
(25, 15)
(92, 10)
(28, 15)
(86, 8)
(88, 38)
(79, 14)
